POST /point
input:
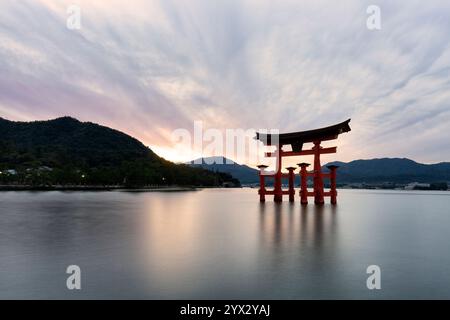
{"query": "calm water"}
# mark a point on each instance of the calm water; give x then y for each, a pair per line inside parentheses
(223, 244)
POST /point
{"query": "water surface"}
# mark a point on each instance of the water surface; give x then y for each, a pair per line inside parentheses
(223, 244)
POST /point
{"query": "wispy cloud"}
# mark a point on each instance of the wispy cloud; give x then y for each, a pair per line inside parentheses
(148, 67)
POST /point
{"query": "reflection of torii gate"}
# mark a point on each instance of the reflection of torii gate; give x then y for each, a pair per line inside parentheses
(296, 140)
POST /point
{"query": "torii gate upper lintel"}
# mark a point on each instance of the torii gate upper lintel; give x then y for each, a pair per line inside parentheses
(297, 140)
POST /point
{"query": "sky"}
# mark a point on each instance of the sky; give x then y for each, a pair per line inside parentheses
(150, 67)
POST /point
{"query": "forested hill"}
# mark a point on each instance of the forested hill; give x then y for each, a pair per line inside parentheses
(67, 151)
(67, 141)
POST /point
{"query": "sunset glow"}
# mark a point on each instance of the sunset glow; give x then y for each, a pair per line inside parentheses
(150, 67)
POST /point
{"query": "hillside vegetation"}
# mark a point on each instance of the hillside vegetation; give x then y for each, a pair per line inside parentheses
(67, 151)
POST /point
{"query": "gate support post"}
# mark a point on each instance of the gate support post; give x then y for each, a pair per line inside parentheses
(277, 191)
(304, 183)
(333, 191)
(318, 180)
(291, 184)
(262, 184)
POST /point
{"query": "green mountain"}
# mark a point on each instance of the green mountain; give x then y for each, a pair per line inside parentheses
(67, 151)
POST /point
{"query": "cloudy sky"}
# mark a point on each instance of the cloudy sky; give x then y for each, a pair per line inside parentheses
(150, 67)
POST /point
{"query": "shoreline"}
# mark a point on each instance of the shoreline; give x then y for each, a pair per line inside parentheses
(98, 188)
(5, 188)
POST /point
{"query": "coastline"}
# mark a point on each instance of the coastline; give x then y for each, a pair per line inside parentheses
(98, 188)
(4, 188)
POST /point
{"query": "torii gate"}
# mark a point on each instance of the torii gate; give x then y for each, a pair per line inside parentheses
(296, 140)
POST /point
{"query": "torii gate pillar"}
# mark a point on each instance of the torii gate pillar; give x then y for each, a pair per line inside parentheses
(262, 184)
(304, 182)
(318, 181)
(277, 189)
(291, 177)
(333, 191)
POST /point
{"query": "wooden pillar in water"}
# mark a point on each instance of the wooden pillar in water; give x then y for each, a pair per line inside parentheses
(291, 184)
(333, 191)
(277, 191)
(318, 179)
(262, 184)
(304, 182)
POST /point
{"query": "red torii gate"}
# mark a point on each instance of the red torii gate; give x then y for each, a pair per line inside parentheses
(296, 140)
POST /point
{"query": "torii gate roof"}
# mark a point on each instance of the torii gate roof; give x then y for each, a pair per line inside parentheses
(297, 139)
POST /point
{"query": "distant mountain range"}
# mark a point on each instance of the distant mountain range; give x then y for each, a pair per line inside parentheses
(244, 173)
(66, 151)
(397, 170)
(394, 170)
